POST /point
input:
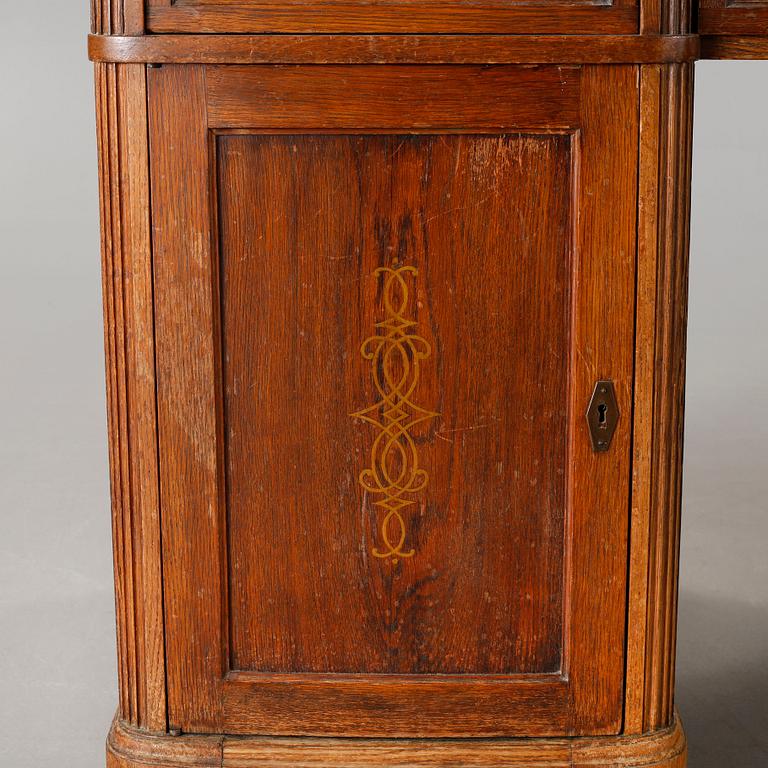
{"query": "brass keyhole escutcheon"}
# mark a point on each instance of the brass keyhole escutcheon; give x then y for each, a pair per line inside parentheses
(602, 415)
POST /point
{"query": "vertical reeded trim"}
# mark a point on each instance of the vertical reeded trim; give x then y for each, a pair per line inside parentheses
(117, 17)
(663, 237)
(131, 403)
(665, 17)
(669, 393)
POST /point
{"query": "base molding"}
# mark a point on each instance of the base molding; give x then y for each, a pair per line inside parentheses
(128, 747)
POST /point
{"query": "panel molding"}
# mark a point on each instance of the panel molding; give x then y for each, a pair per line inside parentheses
(407, 226)
(396, 49)
(734, 47)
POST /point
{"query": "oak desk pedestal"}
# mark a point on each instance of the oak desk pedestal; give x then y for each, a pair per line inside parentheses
(395, 302)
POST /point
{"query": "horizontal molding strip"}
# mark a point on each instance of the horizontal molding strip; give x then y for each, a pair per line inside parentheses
(128, 747)
(394, 49)
(734, 47)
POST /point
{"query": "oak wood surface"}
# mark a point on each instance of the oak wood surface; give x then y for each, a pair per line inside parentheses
(215, 112)
(117, 17)
(188, 417)
(666, 17)
(603, 319)
(649, 208)
(129, 353)
(665, 155)
(653, 17)
(414, 97)
(722, 17)
(299, 293)
(734, 47)
(129, 748)
(191, 413)
(127, 17)
(395, 16)
(668, 393)
(394, 49)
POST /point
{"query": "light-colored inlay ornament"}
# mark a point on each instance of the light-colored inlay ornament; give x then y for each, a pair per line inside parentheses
(395, 352)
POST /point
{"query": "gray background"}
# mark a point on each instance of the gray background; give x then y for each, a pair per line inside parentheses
(57, 648)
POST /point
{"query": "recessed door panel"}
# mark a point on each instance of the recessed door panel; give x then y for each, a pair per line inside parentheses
(396, 315)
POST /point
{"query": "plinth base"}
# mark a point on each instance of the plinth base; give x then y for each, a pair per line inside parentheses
(131, 748)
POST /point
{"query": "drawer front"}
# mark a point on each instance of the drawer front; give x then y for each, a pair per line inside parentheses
(729, 17)
(381, 309)
(586, 17)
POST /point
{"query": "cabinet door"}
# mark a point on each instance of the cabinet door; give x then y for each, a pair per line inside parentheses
(586, 17)
(383, 298)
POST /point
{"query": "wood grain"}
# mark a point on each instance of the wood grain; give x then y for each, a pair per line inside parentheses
(734, 47)
(666, 17)
(394, 49)
(128, 748)
(659, 394)
(603, 323)
(309, 97)
(242, 159)
(483, 593)
(428, 16)
(128, 323)
(192, 522)
(590, 700)
(720, 17)
(642, 428)
(669, 396)
(117, 17)
(403, 706)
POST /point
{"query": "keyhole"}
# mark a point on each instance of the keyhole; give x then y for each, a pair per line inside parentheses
(602, 414)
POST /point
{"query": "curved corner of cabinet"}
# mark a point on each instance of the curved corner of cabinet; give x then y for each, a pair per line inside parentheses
(129, 747)
(121, 122)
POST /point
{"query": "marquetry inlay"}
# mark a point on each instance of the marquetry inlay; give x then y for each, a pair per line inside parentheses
(395, 353)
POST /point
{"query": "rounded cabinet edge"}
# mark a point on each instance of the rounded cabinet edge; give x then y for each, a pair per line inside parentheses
(128, 747)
